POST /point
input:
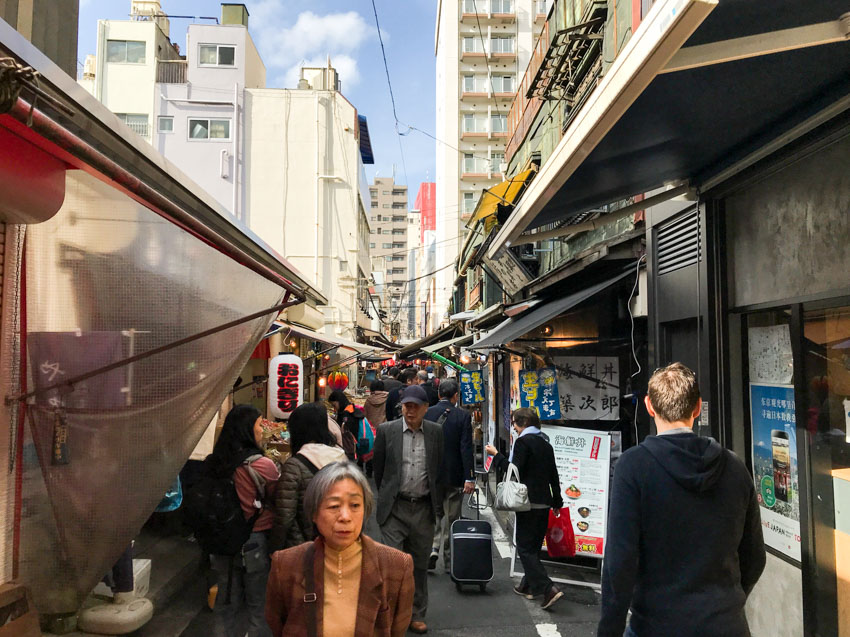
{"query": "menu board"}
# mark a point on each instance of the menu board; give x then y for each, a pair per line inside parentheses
(583, 458)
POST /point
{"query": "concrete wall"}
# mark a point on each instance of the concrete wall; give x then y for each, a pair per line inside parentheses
(283, 140)
(209, 162)
(787, 235)
(51, 25)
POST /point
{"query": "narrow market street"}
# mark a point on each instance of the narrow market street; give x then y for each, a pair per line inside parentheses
(498, 612)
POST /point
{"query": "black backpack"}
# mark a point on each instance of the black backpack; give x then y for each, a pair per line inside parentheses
(214, 513)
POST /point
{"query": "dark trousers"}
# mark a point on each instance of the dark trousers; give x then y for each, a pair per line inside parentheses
(530, 530)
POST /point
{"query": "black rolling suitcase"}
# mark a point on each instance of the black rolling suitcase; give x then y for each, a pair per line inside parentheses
(472, 552)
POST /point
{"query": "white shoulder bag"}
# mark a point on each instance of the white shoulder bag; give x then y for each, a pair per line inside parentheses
(512, 495)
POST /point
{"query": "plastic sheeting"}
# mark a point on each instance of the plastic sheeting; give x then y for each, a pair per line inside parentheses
(106, 279)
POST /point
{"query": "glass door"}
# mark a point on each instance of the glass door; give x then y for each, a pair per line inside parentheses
(826, 355)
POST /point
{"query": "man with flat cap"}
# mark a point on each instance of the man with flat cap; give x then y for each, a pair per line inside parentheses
(408, 452)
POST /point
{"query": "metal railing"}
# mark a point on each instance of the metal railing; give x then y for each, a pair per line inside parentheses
(140, 128)
(171, 71)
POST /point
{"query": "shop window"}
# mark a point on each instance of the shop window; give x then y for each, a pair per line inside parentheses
(826, 383)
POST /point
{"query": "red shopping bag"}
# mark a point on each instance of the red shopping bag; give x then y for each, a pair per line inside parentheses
(560, 538)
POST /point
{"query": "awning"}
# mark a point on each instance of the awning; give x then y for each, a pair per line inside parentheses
(303, 332)
(377, 339)
(697, 93)
(505, 193)
(436, 347)
(513, 328)
(435, 337)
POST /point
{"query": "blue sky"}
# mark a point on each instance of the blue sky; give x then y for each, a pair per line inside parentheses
(289, 32)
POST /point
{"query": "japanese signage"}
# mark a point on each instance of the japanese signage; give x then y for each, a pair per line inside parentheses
(286, 378)
(589, 387)
(510, 271)
(583, 459)
(538, 389)
(773, 410)
(471, 387)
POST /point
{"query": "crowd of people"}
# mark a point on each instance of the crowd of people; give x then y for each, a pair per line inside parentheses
(684, 544)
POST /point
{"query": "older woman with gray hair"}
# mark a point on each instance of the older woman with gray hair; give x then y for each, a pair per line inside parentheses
(343, 584)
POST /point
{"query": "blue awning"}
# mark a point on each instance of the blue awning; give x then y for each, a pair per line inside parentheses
(365, 143)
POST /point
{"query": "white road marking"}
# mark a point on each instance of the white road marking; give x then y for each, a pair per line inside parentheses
(547, 630)
(503, 544)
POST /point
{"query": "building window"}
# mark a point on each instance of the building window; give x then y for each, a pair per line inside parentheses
(126, 51)
(398, 219)
(501, 6)
(386, 205)
(473, 164)
(372, 245)
(398, 245)
(136, 122)
(386, 192)
(496, 160)
(499, 123)
(503, 83)
(501, 45)
(209, 129)
(374, 204)
(468, 202)
(472, 44)
(474, 84)
(399, 231)
(473, 123)
(373, 192)
(386, 246)
(399, 193)
(164, 124)
(474, 6)
(398, 205)
(217, 55)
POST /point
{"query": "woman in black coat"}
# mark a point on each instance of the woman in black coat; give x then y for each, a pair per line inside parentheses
(535, 460)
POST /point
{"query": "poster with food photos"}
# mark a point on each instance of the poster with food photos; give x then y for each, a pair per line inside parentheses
(583, 459)
(589, 387)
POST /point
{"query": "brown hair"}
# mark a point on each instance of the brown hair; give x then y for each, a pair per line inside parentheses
(526, 417)
(673, 392)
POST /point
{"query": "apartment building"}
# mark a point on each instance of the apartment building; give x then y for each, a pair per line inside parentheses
(388, 243)
(207, 109)
(481, 46)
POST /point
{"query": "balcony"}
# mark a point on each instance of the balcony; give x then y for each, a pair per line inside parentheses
(171, 71)
(140, 128)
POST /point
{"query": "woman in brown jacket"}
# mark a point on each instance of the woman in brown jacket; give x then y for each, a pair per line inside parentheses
(344, 584)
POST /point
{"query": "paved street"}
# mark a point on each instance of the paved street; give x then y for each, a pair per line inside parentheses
(498, 612)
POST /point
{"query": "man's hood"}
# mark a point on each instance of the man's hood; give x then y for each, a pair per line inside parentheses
(321, 455)
(377, 398)
(693, 461)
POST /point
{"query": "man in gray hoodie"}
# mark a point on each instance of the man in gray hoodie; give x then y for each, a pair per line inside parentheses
(684, 546)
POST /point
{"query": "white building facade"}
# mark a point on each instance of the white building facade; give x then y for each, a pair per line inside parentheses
(482, 47)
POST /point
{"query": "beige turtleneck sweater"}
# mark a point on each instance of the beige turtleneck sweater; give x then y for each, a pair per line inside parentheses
(342, 588)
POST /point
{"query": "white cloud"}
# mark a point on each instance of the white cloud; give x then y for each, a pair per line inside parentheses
(308, 41)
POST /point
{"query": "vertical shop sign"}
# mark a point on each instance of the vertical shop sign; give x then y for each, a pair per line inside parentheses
(773, 414)
(589, 387)
(286, 378)
(538, 389)
(472, 387)
(583, 458)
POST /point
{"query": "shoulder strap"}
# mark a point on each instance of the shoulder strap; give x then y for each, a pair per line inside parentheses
(309, 465)
(259, 481)
(444, 416)
(310, 590)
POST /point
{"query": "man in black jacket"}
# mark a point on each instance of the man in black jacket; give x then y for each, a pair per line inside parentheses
(685, 543)
(393, 406)
(457, 473)
(535, 461)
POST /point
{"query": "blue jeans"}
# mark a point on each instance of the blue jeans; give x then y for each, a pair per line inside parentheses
(247, 590)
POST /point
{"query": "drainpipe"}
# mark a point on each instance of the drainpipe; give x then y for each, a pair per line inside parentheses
(235, 147)
(318, 182)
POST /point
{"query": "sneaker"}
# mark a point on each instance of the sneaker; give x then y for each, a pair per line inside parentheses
(432, 561)
(523, 589)
(552, 595)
